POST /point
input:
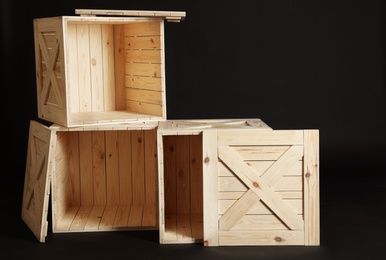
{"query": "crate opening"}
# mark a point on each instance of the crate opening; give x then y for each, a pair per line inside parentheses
(112, 70)
(183, 189)
(105, 180)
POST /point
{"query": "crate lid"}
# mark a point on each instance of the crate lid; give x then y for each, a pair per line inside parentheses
(170, 16)
(37, 180)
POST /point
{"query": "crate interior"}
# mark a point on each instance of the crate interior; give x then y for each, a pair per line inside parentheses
(105, 180)
(114, 71)
(183, 189)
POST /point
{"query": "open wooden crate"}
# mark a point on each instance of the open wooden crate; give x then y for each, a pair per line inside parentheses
(227, 183)
(100, 179)
(101, 69)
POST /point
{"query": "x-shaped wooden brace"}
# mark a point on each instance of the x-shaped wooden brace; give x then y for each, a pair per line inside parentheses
(50, 59)
(260, 188)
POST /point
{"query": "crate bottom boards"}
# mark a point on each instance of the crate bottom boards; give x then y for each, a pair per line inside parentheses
(106, 218)
(183, 228)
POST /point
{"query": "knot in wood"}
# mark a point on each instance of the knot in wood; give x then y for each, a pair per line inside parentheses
(255, 184)
(139, 140)
(171, 148)
(308, 175)
(278, 239)
(93, 62)
(206, 243)
(206, 160)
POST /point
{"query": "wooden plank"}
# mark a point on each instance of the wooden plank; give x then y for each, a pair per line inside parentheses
(138, 167)
(210, 182)
(72, 68)
(135, 218)
(86, 168)
(142, 95)
(172, 15)
(141, 56)
(288, 183)
(237, 211)
(107, 221)
(112, 168)
(94, 218)
(259, 208)
(144, 42)
(253, 238)
(261, 153)
(260, 137)
(196, 182)
(259, 222)
(143, 82)
(64, 221)
(144, 108)
(311, 187)
(183, 175)
(125, 170)
(170, 234)
(262, 190)
(184, 230)
(197, 227)
(292, 170)
(83, 60)
(287, 160)
(151, 175)
(99, 166)
(230, 184)
(143, 69)
(149, 218)
(80, 219)
(170, 173)
(109, 71)
(96, 68)
(122, 217)
(119, 66)
(142, 29)
(73, 169)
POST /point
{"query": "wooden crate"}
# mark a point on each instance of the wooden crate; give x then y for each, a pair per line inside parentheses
(101, 69)
(100, 179)
(225, 184)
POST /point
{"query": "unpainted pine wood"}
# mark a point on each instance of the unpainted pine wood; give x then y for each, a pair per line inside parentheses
(107, 221)
(119, 66)
(135, 218)
(311, 188)
(80, 220)
(145, 96)
(292, 170)
(64, 220)
(170, 233)
(138, 167)
(230, 184)
(261, 153)
(253, 238)
(83, 60)
(122, 217)
(183, 175)
(149, 218)
(152, 42)
(112, 168)
(210, 182)
(262, 222)
(72, 67)
(96, 63)
(94, 218)
(86, 168)
(125, 168)
(262, 190)
(137, 81)
(142, 29)
(151, 176)
(184, 230)
(260, 137)
(170, 173)
(73, 178)
(196, 181)
(109, 68)
(196, 221)
(99, 166)
(152, 70)
(144, 108)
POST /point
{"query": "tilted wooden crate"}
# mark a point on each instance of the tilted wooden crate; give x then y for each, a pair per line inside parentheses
(101, 69)
(100, 179)
(223, 184)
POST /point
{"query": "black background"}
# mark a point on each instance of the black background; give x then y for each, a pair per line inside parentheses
(294, 64)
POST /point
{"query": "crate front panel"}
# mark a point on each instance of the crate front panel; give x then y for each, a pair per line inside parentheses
(261, 187)
(50, 76)
(105, 180)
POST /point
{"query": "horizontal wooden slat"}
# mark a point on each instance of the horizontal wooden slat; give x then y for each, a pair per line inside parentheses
(142, 29)
(259, 207)
(144, 108)
(260, 152)
(230, 184)
(143, 43)
(260, 137)
(142, 95)
(143, 69)
(143, 56)
(251, 238)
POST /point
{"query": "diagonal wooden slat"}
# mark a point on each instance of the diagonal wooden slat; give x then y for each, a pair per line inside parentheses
(270, 176)
(262, 190)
